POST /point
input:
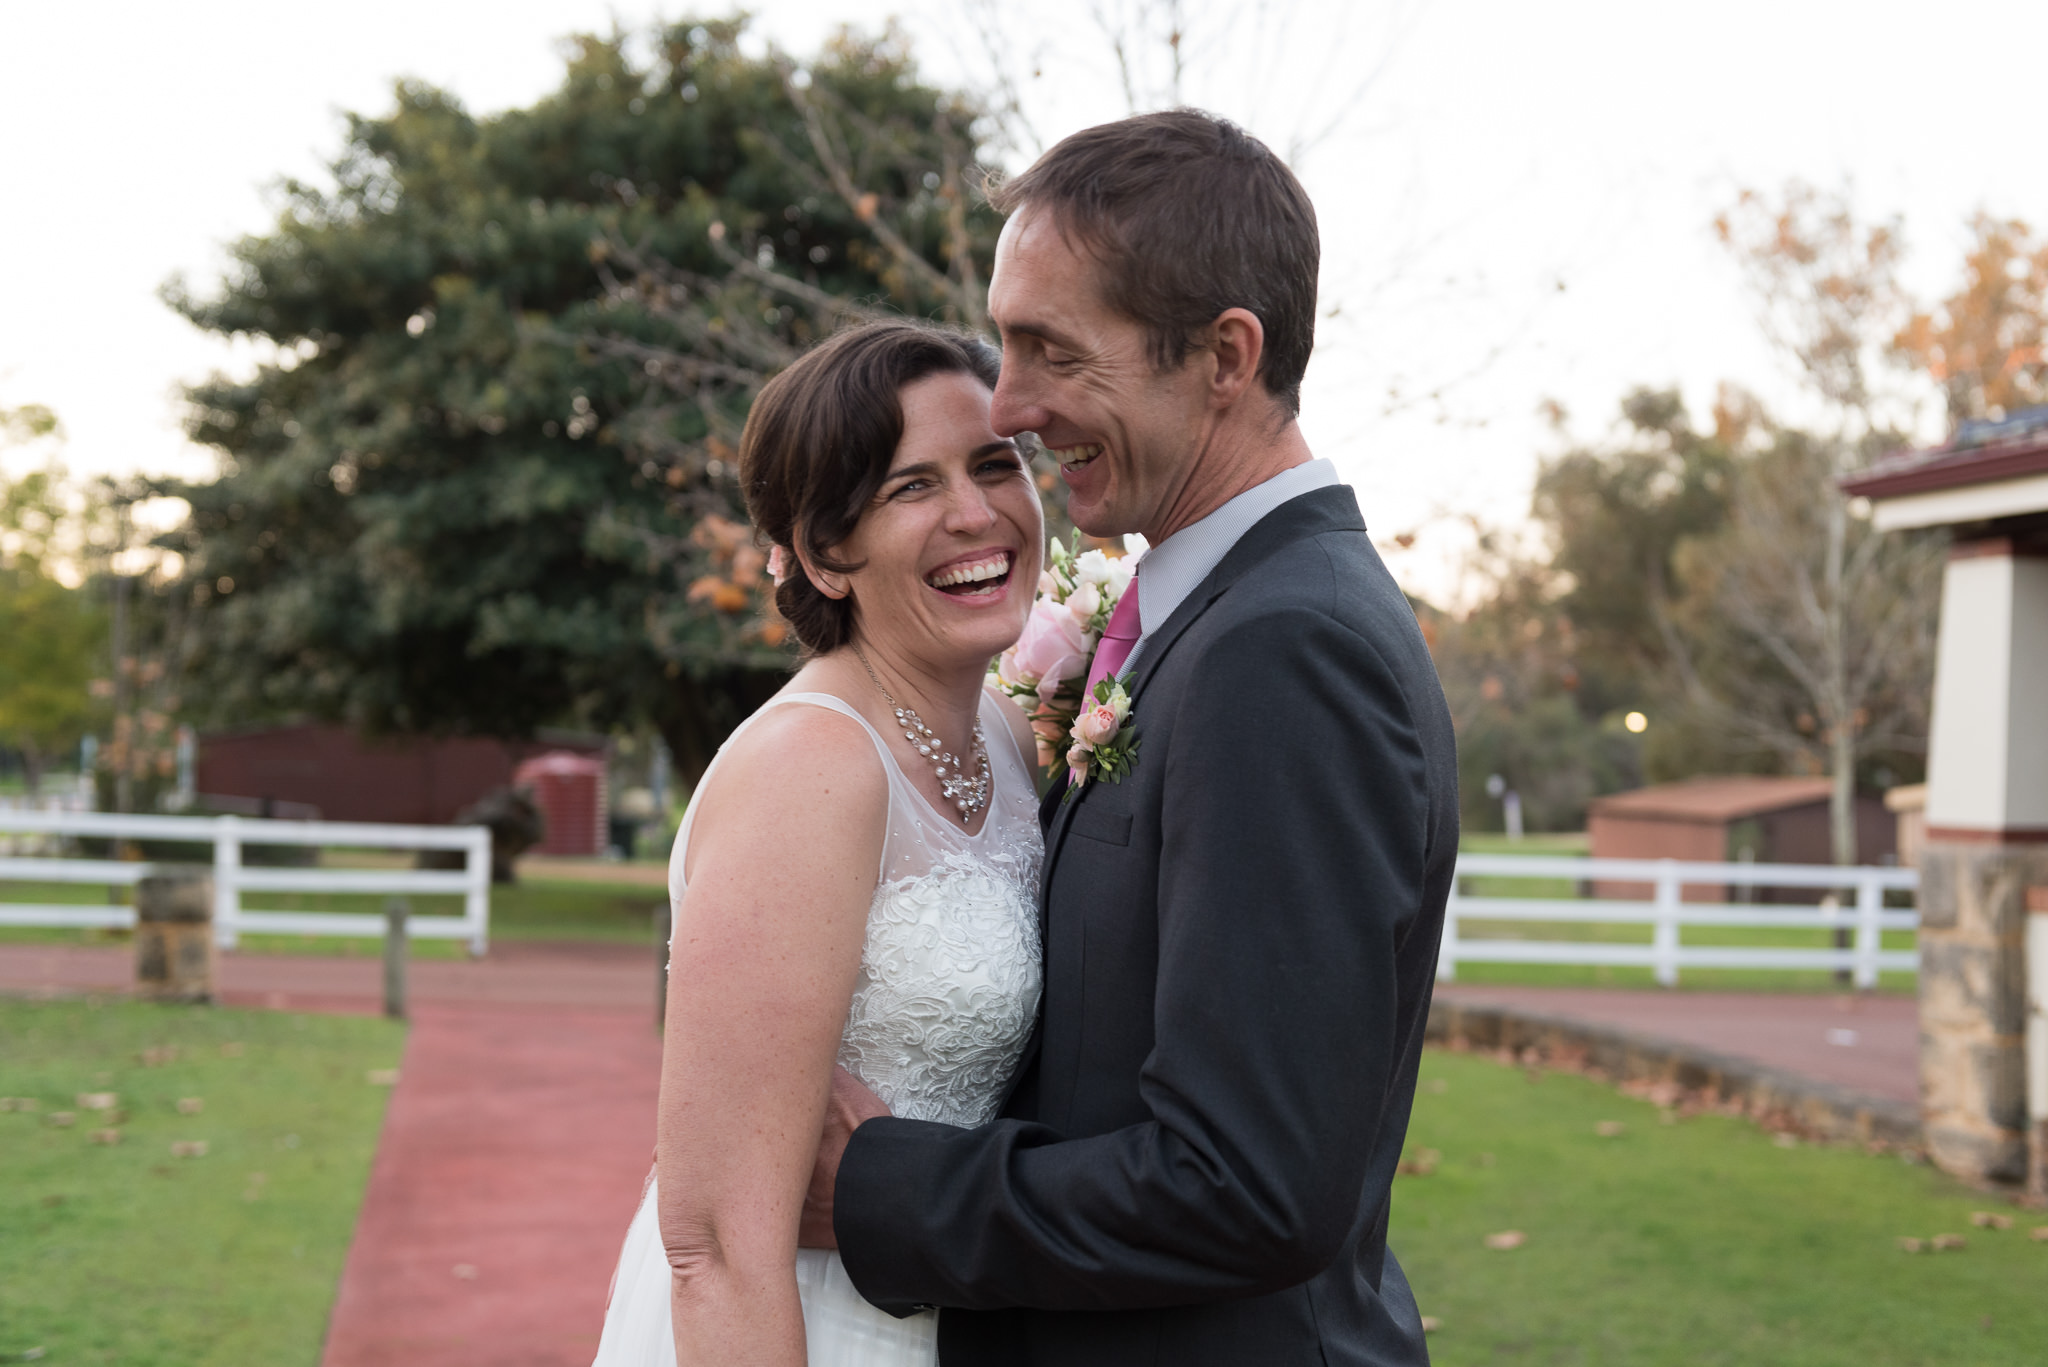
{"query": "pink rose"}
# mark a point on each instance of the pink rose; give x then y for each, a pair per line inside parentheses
(1098, 725)
(1052, 649)
(1048, 732)
(1084, 601)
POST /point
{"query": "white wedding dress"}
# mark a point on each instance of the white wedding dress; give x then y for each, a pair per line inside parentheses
(945, 1001)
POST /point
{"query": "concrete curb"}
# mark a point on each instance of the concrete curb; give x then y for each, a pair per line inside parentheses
(1669, 1071)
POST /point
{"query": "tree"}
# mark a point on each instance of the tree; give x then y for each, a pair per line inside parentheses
(1801, 580)
(487, 481)
(55, 635)
(1983, 344)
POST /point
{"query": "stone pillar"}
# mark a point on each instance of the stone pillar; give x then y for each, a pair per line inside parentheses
(1987, 844)
(174, 954)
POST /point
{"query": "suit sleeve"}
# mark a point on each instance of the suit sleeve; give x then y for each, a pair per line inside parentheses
(1296, 827)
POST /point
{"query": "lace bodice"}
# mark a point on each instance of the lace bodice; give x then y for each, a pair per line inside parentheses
(949, 972)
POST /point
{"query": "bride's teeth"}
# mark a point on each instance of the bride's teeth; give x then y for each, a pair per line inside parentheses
(995, 567)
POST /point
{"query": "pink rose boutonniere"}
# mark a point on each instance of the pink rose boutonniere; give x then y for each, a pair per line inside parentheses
(1047, 670)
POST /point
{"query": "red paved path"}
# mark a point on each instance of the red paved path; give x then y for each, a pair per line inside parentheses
(1870, 1044)
(511, 1160)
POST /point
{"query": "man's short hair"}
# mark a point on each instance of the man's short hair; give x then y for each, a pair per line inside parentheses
(1187, 215)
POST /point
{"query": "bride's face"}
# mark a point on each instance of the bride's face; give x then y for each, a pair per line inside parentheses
(951, 545)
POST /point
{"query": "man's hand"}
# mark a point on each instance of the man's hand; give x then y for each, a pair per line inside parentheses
(851, 1104)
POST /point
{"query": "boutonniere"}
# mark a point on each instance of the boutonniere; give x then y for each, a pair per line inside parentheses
(1047, 670)
(1104, 739)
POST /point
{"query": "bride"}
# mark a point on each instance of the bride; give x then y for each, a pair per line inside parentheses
(856, 880)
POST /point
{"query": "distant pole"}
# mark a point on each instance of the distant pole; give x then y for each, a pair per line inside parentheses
(396, 913)
(661, 934)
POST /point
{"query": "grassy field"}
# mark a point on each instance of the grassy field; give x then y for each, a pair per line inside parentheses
(1701, 1242)
(128, 1253)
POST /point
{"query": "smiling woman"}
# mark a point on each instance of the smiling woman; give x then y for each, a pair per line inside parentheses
(855, 882)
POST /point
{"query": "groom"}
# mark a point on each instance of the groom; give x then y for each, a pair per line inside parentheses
(1194, 1166)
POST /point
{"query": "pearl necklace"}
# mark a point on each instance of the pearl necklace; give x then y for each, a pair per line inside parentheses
(969, 795)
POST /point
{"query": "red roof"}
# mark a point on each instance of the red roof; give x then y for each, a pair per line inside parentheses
(1719, 798)
(1920, 472)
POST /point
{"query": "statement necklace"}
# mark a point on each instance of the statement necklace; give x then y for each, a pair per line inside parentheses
(969, 795)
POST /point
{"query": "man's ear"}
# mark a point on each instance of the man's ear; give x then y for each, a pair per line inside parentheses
(1238, 342)
(828, 582)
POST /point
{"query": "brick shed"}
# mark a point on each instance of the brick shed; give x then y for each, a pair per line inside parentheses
(1731, 817)
(411, 780)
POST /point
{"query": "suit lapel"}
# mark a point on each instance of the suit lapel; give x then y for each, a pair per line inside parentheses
(1334, 508)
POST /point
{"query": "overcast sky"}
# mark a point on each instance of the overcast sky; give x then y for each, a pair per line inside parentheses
(1514, 202)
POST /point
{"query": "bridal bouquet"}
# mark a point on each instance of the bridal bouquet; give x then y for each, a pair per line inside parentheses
(1047, 669)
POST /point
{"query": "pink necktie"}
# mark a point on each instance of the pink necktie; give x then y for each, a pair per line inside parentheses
(1119, 634)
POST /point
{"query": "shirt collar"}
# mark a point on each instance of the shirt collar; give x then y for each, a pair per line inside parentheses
(1176, 567)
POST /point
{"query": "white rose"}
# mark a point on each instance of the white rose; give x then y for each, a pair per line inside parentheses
(1092, 567)
(1120, 573)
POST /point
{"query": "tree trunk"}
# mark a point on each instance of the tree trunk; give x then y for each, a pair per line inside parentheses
(699, 712)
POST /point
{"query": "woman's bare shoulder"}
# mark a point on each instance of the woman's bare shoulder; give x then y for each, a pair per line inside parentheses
(797, 768)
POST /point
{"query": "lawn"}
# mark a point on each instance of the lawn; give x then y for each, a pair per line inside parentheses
(130, 1253)
(1701, 1241)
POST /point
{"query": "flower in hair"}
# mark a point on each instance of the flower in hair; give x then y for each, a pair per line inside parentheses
(778, 564)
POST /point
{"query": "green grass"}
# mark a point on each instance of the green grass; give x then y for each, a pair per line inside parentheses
(1546, 842)
(1699, 1243)
(127, 1254)
(529, 910)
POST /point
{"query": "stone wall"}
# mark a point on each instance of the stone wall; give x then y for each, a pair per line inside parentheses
(1973, 1005)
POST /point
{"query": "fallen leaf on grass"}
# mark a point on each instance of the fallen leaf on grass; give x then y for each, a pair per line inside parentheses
(2039, 1234)
(97, 1101)
(465, 1271)
(255, 1188)
(1610, 1129)
(1506, 1239)
(190, 1105)
(1421, 1165)
(103, 1137)
(1436, 1086)
(33, 1354)
(62, 1118)
(1486, 1160)
(382, 1077)
(1945, 1243)
(1430, 1324)
(1908, 1244)
(158, 1055)
(1987, 1219)
(1785, 1140)
(188, 1148)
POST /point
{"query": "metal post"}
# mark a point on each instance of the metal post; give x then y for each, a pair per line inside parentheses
(1869, 933)
(661, 938)
(1664, 938)
(396, 912)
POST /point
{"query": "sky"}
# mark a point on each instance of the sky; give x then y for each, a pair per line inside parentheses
(1515, 199)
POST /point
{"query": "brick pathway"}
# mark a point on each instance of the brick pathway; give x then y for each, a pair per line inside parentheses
(1865, 1043)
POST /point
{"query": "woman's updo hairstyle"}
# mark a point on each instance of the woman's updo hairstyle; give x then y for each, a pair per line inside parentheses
(818, 444)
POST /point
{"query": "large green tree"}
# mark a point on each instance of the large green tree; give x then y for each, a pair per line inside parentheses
(486, 483)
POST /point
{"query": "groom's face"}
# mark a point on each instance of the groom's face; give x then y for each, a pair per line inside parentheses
(1077, 373)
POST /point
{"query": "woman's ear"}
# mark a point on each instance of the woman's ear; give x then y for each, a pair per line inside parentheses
(828, 582)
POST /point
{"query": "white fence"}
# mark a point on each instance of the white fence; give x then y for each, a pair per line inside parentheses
(1667, 914)
(232, 878)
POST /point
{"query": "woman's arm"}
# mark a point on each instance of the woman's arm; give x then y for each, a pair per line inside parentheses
(780, 870)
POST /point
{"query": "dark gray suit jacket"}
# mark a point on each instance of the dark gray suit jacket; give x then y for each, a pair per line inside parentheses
(1240, 939)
